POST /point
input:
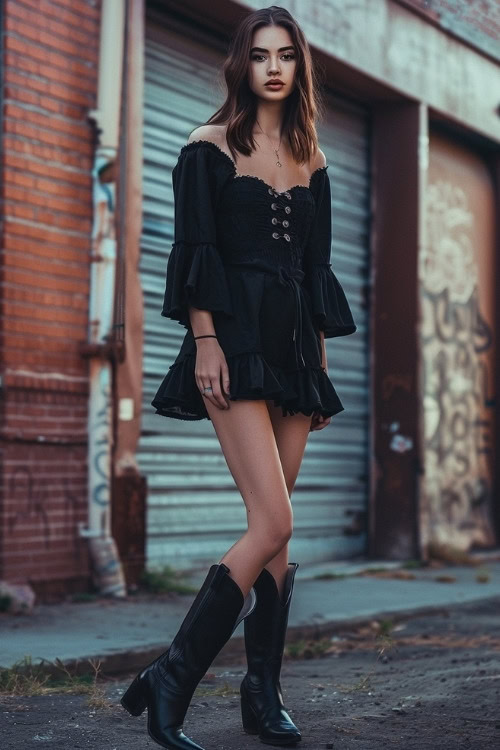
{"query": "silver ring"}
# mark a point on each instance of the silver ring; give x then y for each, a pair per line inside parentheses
(208, 388)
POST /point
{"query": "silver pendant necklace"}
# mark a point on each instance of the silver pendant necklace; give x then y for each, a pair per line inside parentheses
(278, 163)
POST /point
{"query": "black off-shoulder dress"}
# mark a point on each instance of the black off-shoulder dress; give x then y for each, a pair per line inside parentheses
(259, 260)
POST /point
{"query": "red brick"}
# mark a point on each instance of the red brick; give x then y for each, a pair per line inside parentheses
(42, 298)
(26, 10)
(57, 91)
(47, 314)
(50, 83)
(20, 276)
(84, 46)
(43, 200)
(29, 165)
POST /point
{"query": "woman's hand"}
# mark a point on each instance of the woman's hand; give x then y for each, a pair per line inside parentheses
(318, 422)
(211, 370)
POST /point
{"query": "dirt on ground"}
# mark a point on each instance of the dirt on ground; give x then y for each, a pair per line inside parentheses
(428, 682)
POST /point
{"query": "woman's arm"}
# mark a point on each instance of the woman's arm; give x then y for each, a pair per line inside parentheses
(201, 321)
(210, 366)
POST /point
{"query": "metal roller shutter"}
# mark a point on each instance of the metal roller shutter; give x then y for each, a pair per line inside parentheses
(195, 512)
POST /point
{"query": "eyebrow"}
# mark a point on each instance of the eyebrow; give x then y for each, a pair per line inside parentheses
(262, 49)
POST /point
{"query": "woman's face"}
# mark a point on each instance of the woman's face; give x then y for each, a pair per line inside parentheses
(272, 55)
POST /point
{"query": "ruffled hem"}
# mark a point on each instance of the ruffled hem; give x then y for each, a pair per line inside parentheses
(330, 308)
(195, 278)
(251, 377)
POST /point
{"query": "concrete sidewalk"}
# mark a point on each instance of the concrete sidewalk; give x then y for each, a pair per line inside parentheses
(125, 634)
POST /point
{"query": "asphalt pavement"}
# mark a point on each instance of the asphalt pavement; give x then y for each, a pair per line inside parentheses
(415, 682)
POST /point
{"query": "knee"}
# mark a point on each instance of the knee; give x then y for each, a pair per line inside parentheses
(278, 535)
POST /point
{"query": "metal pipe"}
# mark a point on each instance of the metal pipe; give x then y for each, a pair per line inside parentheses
(106, 564)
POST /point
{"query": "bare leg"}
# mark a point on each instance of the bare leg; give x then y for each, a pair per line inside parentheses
(246, 435)
(291, 433)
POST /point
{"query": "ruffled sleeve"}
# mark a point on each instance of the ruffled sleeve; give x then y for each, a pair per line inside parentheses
(330, 309)
(195, 273)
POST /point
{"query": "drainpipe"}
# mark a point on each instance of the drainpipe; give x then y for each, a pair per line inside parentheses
(101, 348)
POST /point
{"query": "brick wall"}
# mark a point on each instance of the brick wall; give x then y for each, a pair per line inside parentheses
(50, 58)
(475, 21)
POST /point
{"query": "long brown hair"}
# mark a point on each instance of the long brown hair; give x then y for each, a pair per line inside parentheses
(240, 108)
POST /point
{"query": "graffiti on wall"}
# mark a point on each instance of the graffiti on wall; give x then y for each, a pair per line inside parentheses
(457, 378)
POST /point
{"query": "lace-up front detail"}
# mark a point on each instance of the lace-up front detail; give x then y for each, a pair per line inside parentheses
(280, 205)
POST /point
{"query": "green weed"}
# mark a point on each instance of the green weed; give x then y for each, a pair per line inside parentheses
(308, 649)
(164, 581)
(223, 690)
(483, 575)
(25, 679)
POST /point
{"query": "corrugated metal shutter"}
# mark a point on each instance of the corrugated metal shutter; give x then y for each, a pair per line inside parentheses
(195, 512)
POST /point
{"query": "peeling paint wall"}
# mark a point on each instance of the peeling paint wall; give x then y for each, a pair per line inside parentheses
(475, 21)
(457, 295)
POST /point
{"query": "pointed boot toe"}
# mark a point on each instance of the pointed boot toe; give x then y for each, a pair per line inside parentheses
(165, 687)
(263, 713)
(262, 708)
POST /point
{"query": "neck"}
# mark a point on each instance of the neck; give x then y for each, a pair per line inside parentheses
(269, 117)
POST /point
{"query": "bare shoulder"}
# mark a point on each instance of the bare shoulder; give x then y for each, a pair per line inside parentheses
(317, 161)
(214, 133)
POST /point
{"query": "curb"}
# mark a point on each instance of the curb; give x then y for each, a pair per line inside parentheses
(125, 662)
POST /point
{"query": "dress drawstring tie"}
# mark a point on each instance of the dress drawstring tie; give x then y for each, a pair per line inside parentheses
(293, 277)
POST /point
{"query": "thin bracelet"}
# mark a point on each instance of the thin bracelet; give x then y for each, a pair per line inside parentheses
(206, 336)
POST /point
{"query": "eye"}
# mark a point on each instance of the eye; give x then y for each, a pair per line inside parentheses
(289, 55)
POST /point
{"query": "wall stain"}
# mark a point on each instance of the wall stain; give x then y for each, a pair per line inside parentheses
(32, 508)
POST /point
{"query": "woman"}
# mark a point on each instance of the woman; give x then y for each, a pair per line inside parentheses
(249, 276)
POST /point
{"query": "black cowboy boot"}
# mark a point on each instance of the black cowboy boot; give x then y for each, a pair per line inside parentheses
(165, 687)
(262, 708)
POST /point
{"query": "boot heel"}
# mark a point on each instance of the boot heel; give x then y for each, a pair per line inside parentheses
(133, 700)
(250, 724)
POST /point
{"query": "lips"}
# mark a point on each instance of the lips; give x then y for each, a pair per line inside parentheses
(275, 82)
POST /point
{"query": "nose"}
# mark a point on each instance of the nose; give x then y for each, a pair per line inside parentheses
(273, 68)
